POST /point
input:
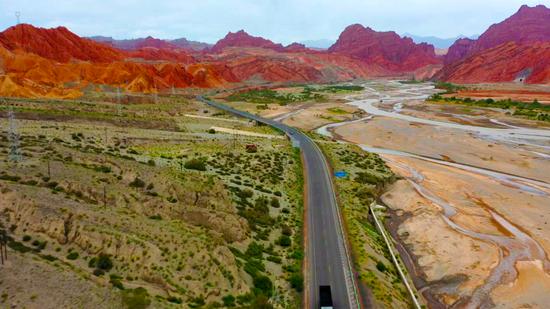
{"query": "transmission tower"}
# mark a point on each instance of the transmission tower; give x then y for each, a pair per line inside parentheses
(18, 16)
(13, 139)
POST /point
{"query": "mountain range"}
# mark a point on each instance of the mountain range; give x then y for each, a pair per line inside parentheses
(37, 62)
(437, 42)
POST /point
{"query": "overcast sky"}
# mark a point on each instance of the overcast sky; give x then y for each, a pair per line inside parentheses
(282, 21)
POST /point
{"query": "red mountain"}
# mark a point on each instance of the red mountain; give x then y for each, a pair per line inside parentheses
(386, 49)
(58, 44)
(529, 62)
(243, 39)
(529, 24)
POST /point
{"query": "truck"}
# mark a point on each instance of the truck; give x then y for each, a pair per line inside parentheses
(325, 297)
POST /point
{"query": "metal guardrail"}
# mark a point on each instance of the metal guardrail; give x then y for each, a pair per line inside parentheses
(394, 258)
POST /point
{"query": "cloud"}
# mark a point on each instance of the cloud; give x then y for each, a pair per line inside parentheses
(280, 20)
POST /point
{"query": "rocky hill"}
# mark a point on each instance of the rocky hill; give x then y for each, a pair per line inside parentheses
(516, 49)
(386, 49)
(529, 24)
(58, 44)
(243, 39)
(529, 63)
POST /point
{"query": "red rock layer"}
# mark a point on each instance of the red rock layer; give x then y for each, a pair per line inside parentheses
(529, 24)
(33, 69)
(29, 75)
(507, 62)
(386, 49)
(243, 39)
(57, 44)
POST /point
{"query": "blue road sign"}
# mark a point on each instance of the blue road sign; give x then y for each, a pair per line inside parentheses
(340, 174)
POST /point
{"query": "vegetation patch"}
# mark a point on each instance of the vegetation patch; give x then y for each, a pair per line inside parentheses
(268, 96)
(534, 110)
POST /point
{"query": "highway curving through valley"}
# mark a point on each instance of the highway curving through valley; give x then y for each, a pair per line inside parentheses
(328, 260)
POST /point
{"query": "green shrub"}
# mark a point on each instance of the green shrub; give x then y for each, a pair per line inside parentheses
(104, 262)
(254, 250)
(92, 262)
(275, 202)
(175, 300)
(284, 241)
(228, 300)
(26, 237)
(261, 302)
(116, 283)
(197, 302)
(19, 247)
(297, 282)
(195, 164)
(381, 266)
(72, 255)
(365, 177)
(137, 183)
(102, 169)
(48, 257)
(264, 285)
(136, 298)
(98, 272)
(286, 230)
(274, 259)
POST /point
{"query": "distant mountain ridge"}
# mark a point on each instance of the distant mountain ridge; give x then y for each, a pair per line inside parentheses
(242, 39)
(134, 44)
(437, 42)
(318, 44)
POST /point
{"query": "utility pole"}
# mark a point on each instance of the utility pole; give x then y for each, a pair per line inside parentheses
(18, 17)
(119, 107)
(3, 246)
(104, 196)
(49, 171)
(13, 138)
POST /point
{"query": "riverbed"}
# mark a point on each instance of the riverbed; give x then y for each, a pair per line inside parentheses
(475, 193)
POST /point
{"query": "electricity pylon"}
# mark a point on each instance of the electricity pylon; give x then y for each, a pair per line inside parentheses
(13, 138)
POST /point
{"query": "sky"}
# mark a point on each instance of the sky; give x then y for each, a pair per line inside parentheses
(282, 21)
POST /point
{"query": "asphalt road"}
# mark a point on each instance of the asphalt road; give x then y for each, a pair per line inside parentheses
(326, 253)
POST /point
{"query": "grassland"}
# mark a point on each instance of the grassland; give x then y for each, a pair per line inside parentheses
(367, 176)
(268, 96)
(136, 204)
(530, 110)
